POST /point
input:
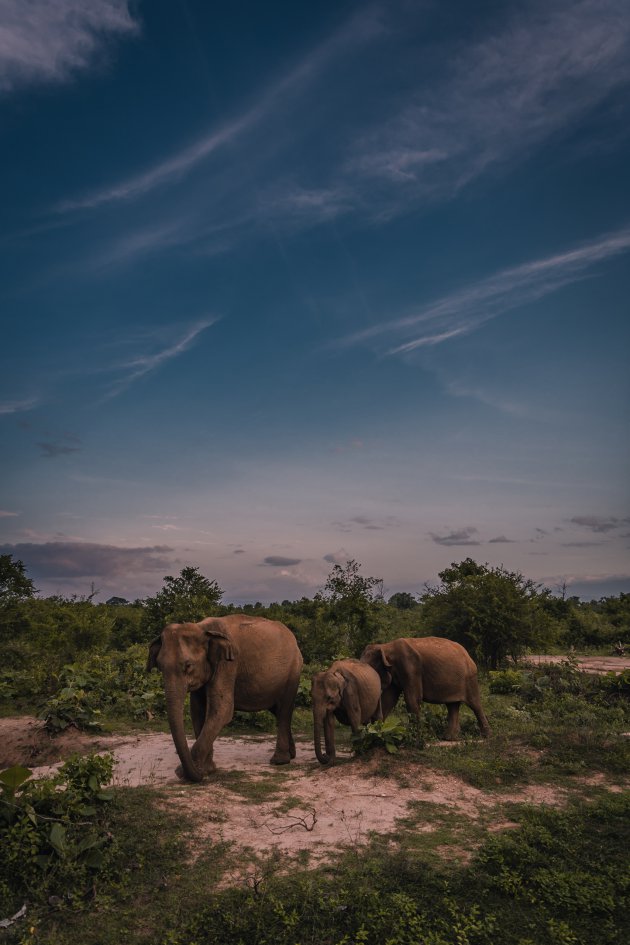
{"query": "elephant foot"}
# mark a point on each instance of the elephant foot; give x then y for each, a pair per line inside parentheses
(280, 758)
(181, 774)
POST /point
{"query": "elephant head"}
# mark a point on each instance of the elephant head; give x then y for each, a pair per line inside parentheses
(187, 655)
(331, 691)
(378, 656)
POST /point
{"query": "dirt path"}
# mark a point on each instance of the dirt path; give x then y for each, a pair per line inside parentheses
(277, 814)
(588, 664)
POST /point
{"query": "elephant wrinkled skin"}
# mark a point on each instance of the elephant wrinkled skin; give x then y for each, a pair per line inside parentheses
(427, 669)
(226, 663)
(351, 692)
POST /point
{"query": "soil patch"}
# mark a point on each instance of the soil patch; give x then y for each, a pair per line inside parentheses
(275, 815)
(588, 664)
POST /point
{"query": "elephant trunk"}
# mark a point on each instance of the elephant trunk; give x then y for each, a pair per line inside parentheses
(175, 692)
(327, 757)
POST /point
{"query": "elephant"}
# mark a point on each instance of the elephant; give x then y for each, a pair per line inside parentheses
(427, 669)
(226, 663)
(349, 690)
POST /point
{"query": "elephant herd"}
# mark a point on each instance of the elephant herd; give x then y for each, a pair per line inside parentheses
(249, 664)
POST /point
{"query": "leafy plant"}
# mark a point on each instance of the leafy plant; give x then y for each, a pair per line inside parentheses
(505, 681)
(389, 735)
(52, 833)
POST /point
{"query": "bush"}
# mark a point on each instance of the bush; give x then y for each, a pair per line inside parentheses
(389, 735)
(505, 681)
(53, 832)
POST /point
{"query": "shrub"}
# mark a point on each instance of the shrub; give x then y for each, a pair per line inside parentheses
(52, 831)
(389, 735)
(505, 681)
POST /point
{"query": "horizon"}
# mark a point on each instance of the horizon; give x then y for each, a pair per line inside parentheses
(283, 288)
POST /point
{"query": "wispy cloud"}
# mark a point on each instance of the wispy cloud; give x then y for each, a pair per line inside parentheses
(43, 41)
(359, 29)
(599, 523)
(462, 536)
(5, 514)
(69, 559)
(54, 448)
(501, 540)
(18, 406)
(461, 312)
(144, 364)
(536, 75)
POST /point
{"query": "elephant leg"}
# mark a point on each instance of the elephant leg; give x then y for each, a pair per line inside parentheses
(482, 721)
(198, 703)
(452, 728)
(285, 745)
(220, 711)
(389, 698)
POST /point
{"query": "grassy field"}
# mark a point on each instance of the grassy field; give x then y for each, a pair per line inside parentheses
(502, 872)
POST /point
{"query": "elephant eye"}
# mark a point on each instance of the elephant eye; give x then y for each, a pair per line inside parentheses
(188, 666)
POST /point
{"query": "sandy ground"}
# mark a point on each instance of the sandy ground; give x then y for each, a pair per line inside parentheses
(303, 808)
(588, 664)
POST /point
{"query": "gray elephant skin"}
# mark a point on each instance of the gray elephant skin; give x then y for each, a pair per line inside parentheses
(226, 663)
(427, 669)
(349, 691)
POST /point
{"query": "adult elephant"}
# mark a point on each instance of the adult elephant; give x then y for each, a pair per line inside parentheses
(427, 669)
(226, 663)
(351, 692)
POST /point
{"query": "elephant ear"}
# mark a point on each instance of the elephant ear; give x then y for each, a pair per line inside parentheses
(381, 663)
(154, 649)
(220, 646)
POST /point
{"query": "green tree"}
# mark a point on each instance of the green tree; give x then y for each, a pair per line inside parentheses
(403, 600)
(493, 612)
(350, 597)
(189, 597)
(15, 586)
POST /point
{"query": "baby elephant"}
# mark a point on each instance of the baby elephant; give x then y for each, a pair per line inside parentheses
(351, 692)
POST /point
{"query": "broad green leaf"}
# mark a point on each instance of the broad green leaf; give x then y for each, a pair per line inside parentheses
(57, 839)
(15, 776)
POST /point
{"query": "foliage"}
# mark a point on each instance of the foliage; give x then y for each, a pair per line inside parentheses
(494, 613)
(388, 734)
(15, 586)
(349, 596)
(115, 684)
(555, 880)
(188, 597)
(507, 680)
(53, 832)
(403, 600)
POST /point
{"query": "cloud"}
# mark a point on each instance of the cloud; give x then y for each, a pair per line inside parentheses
(337, 557)
(359, 29)
(592, 586)
(51, 449)
(238, 551)
(276, 561)
(599, 524)
(49, 42)
(366, 522)
(461, 537)
(144, 364)
(461, 312)
(540, 70)
(501, 540)
(18, 406)
(64, 559)
(5, 514)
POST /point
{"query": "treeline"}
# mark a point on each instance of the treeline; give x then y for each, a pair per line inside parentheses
(496, 614)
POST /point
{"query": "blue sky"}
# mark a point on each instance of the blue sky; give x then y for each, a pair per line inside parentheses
(287, 285)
